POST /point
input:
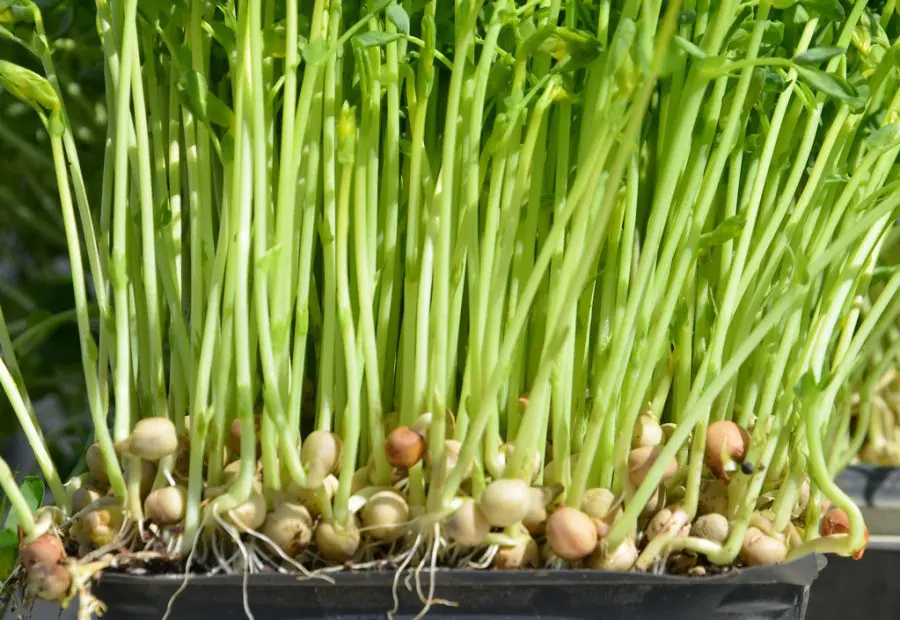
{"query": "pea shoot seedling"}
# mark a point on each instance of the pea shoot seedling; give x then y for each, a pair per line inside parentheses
(547, 283)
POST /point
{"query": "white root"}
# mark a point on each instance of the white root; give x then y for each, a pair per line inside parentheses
(285, 556)
(430, 600)
(486, 559)
(187, 576)
(220, 557)
(259, 560)
(247, 563)
(418, 572)
(399, 572)
(168, 476)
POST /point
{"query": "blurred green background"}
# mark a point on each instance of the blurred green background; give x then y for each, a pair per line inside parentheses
(35, 286)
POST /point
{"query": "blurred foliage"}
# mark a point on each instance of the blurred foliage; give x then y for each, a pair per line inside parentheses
(34, 278)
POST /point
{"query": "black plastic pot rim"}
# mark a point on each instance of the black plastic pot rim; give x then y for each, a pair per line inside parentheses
(778, 592)
(800, 572)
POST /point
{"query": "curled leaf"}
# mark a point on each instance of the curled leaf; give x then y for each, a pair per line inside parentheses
(398, 17)
(28, 86)
(575, 48)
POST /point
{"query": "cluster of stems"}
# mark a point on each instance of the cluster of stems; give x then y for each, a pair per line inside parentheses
(532, 228)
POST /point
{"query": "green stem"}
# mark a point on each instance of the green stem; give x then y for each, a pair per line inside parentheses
(351, 417)
(88, 347)
(326, 392)
(156, 367)
(19, 504)
(35, 440)
(118, 268)
(696, 410)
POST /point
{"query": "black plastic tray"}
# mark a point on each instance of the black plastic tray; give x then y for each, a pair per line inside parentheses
(761, 593)
(877, 492)
(866, 588)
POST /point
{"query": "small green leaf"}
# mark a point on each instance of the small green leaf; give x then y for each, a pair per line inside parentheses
(223, 35)
(28, 86)
(315, 52)
(380, 6)
(91, 352)
(9, 553)
(32, 488)
(163, 216)
(686, 17)
(526, 29)
(816, 55)
(773, 81)
(773, 34)
(883, 273)
(563, 44)
(885, 137)
(275, 40)
(621, 44)
(827, 83)
(690, 48)
(228, 15)
(398, 17)
(195, 94)
(830, 9)
(729, 229)
(56, 124)
(375, 39)
(218, 111)
(862, 39)
(843, 179)
(17, 11)
(346, 133)
(807, 386)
